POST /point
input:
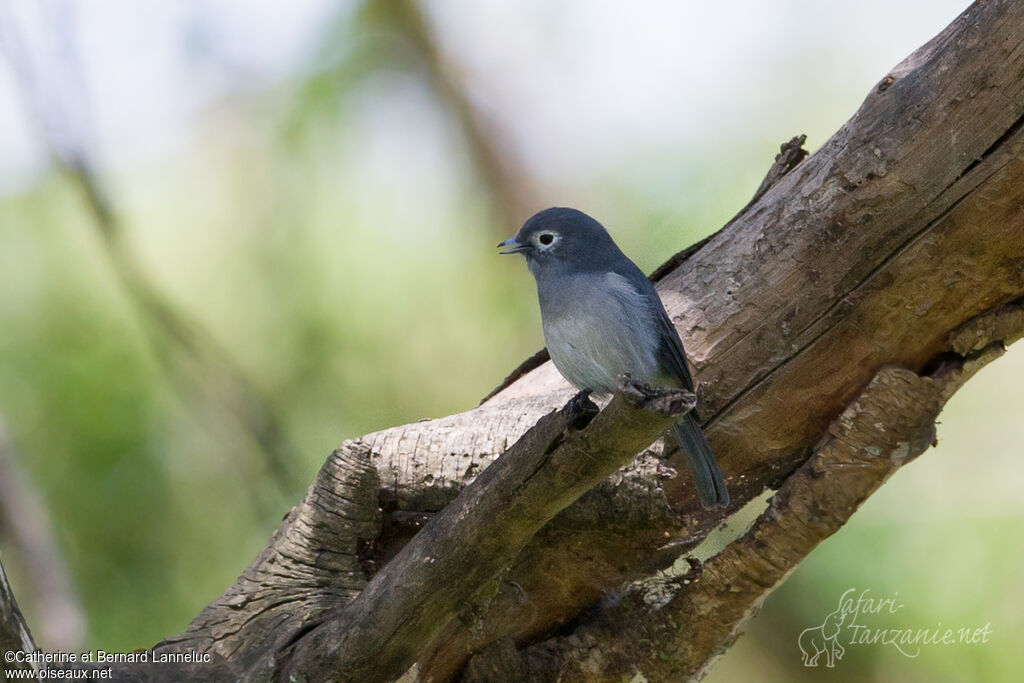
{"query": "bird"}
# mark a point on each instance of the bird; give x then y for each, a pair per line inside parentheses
(602, 319)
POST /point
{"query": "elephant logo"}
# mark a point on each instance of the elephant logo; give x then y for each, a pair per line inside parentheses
(824, 639)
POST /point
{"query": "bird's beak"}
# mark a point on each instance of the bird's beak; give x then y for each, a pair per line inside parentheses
(512, 247)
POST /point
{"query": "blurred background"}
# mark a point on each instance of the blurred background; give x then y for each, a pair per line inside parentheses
(234, 234)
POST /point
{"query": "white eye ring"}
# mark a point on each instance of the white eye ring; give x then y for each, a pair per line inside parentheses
(546, 239)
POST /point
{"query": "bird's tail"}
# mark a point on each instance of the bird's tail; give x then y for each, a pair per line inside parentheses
(708, 478)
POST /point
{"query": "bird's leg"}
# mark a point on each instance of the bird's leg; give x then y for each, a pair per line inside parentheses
(581, 409)
(578, 402)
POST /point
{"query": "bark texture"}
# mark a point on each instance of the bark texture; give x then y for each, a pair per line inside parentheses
(672, 627)
(451, 565)
(14, 633)
(874, 252)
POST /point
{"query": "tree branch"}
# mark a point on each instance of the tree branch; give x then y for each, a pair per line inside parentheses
(280, 619)
(450, 566)
(887, 426)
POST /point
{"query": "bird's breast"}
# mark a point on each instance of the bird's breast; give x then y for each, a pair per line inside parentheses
(598, 327)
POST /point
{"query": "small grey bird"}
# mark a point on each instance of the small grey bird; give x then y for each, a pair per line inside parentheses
(602, 318)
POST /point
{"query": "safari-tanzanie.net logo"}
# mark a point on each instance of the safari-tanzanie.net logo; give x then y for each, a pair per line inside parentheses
(861, 619)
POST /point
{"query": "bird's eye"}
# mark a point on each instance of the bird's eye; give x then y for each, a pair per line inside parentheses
(546, 238)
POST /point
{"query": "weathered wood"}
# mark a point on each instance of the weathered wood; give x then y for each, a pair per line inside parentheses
(14, 634)
(700, 614)
(450, 567)
(309, 568)
(498, 662)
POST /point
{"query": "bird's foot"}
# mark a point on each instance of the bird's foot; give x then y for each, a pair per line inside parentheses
(581, 410)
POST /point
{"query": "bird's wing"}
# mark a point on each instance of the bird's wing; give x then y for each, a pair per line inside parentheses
(670, 353)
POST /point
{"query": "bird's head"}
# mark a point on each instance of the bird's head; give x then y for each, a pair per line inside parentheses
(563, 239)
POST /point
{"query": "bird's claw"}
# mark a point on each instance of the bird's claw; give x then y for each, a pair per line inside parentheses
(581, 409)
